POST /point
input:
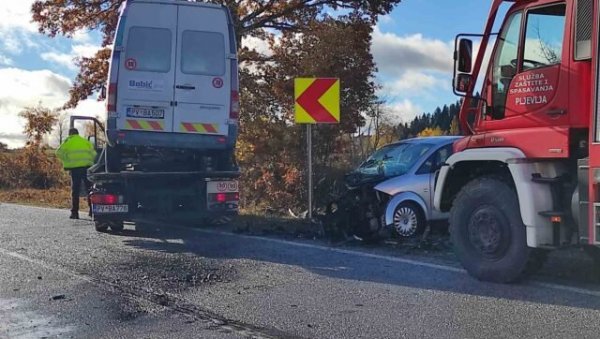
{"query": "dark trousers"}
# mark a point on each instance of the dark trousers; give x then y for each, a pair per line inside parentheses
(78, 176)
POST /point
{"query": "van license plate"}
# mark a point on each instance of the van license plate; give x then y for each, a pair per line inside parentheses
(105, 209)
(146, 112)
(229, 186)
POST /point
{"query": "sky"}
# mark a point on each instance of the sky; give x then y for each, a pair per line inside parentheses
(412, 47)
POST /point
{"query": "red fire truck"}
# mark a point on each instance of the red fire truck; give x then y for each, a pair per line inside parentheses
(525, 178)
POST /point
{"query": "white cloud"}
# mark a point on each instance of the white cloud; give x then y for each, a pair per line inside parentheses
(411, 68)
(412, 82)
(386, 19)
(17, 14)
(16, 26)
(63, 59)
(82, 36)
(395, 54)
(5, 61)
(259, 45)
(21, 88)
(68, 59)
(403, 111)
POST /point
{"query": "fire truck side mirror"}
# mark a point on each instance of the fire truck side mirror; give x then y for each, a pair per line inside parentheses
(462, 83)
(465, 55)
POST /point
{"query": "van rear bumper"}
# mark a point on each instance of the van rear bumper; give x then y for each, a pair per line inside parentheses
(173, 140)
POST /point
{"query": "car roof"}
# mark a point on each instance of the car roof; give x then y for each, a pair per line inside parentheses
(438, 140)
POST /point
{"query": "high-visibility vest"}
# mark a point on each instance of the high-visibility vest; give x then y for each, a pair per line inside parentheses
(76, 152)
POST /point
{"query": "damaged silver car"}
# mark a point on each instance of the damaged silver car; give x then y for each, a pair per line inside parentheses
(393, 189)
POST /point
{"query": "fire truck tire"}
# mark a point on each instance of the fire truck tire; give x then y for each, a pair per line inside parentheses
(117, 226)
(101, 226)
(487, 231)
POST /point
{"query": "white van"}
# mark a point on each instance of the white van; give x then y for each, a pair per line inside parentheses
(173, 77)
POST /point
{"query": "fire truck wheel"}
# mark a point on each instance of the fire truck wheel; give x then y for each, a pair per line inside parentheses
(487, 231)
(117, 226)
(101, 226)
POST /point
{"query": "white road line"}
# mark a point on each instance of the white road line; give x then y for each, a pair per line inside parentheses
(48, 266)
(565, 288)
(336, 250)
(559, 287)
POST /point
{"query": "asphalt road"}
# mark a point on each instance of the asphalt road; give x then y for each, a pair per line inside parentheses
(59, 278)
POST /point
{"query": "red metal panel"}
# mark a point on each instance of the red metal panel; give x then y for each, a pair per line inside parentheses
(536, 142)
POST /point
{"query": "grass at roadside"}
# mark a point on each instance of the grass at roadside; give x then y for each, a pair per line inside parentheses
(56, 198)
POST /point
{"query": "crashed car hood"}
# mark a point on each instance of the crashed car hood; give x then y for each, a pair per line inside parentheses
(356, 178)
(395, 185)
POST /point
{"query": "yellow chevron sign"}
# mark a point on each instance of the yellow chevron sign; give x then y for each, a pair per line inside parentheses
(317, 100)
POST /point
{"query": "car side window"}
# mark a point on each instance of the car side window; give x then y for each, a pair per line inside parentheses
(437, 158)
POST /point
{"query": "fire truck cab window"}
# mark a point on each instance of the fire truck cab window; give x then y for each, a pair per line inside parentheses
(504, 66)
(544, 37)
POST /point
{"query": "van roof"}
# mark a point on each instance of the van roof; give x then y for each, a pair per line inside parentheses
(180, 3)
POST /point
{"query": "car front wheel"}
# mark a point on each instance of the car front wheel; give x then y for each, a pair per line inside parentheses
(409, 220)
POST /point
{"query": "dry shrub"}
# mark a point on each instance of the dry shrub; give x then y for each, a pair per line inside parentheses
(54, 197)
(31, 167)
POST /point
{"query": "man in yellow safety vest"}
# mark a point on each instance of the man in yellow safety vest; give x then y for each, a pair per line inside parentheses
(77, 155)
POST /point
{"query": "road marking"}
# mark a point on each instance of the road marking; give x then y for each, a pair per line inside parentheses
(536, 283)
(335, 250)
(565, 288)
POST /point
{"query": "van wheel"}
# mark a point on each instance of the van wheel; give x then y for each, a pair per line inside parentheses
(117, 226)
(409, 219)
(101, 226)
(487, 231)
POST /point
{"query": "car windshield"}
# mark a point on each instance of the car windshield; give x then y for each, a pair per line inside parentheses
(394, 160)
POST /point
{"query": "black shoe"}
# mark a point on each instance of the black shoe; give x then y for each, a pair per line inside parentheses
(74, 216)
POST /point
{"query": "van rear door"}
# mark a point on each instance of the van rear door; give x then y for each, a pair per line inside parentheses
(202, 78)
(146, 74)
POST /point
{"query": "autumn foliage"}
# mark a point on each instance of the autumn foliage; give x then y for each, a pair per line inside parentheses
(34, 166)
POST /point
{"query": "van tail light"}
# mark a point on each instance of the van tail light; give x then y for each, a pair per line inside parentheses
(234, 113)
(224, 197)
(105, 199)
(111, 99)
(235, 105)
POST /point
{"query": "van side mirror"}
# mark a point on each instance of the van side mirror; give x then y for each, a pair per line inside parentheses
(102, 95)
(464, 55)
(462, 83)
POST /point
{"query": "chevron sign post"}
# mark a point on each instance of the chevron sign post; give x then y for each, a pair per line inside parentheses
(317, 102)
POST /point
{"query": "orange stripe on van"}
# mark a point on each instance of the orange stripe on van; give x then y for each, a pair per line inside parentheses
(190, 127)
(145, 125)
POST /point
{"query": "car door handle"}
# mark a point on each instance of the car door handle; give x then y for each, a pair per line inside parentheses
(186, 87)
